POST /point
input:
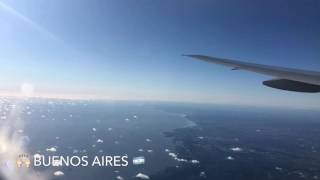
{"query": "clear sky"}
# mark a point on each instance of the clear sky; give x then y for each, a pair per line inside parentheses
(131, 49)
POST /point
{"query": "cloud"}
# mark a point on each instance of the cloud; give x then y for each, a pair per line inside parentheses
(195, 161)
(236, 149)
(120, 178)
(230, 158)
(138, 160)
(99, 141)
(142, 176)
(52, 149)
(175, 157)
(58, 173)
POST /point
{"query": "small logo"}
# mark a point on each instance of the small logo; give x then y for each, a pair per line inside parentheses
(23, 161)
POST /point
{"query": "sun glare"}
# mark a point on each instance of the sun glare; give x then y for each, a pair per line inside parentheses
(27, 89)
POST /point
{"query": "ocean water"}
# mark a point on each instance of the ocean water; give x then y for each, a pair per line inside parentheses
(238, 142)
(92, 128)
(176, 140)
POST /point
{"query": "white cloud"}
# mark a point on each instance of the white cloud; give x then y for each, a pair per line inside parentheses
(230, 158)
(173, 155)
(195, 161)
(142, 176)
(52, 149)
(203, 174)
(58, 173)
(120, 178)
(236, 149)
(138, 160)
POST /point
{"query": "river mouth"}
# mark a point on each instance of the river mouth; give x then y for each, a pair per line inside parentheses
(246, 143)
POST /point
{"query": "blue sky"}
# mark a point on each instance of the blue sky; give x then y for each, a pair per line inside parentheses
(132, 49)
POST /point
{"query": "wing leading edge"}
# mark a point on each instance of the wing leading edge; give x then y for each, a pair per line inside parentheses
(285, 78)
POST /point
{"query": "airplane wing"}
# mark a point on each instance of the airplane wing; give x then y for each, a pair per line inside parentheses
(284, 78)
